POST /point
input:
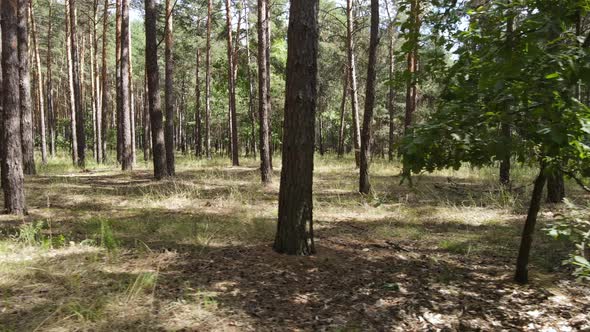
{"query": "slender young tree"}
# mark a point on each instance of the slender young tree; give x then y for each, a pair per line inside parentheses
(103, 123)
(80, 131)
(391, 91)
(119, 102)
(365, 155)
(198, 119)
(153, 76)
(295, 225)
(232, 87)
(250, 83)
(208, 81)
(169, 131)
(50, 110)
(263, 92)
(12, 154)
(71, 94)
(26, 107)
(353, 82)
(412, 67)
(97, 91)
(342, 112)
(126, 146)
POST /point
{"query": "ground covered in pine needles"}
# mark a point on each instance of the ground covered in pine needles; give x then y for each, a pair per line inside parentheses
(106, 251)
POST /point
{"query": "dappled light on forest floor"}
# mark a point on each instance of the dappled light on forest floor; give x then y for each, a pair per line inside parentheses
(104, 250)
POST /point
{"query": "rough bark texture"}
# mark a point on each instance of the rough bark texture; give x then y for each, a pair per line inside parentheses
(263, 92)
(169, 93)
(412, 67)
(522, 272)
(208, 81)
(41, 95)
(50, 110)
(198, 118)
(127, 142)
(26, 107)
(365, 154)
(118, 101)
(103, 123)
(151, 60)
(353, 83)
(295, 225)
(72, 98)
(251, 111)
(391, 92)
(12, 161)
(96, 81)
(343, 112)
(146, 122)
(80, 133)
(235, 150)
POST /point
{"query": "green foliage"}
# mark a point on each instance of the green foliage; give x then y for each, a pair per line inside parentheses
(106, 237)
(574, 226)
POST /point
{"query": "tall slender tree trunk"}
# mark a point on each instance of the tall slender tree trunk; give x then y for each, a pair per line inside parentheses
(411, 87)
(153, 75)
(103, 122)
(342, 112)
(365, 155)
(295, 225)
(232, 88)
(169, 132)
(198, 119)
(522, 273)
(97, 90)
(264, 92)
(208, 81)
(80, 134)
(353, 82)
(391, 92)
(146, 121)
(126, 151)
(26, 107)
(119, 102)
(251, 112)
(72, 97)
(505, 126)
(131, 96)
(50, 110)
(12, 159)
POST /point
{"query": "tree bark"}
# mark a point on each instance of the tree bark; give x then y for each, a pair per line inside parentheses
(391, 92)
(72, 97)
(169, 93)
(555, 188)
(250, 84)
(119, 102)
(232, 88)
(103, 123)
(522, 273)
(353, 82)
(411, 86)
(26, 107)
(97, 91)
(12, 161)
(365, 155)
(342, 112)
(127, 142)
(263, 92)
(50, 110)
(80, 134)
(208, 81)
(198, 120)
(505, 127)
(151, 55)
(295, 225)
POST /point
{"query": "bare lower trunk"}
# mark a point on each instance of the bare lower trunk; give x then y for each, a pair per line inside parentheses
(208, 81)
(232, 88)
(353, 82)
(342, 113)
(103, 123)
(126, 147)
(522, 273)
(295, 225)
(72, 98)
(263, 92)
(169, 93)
(80, 134)
(50, 109)
(12, 168)
(198, 120)
(364, 183)
(26, 107)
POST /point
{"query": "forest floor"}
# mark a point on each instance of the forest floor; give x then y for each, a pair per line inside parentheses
(103, 250)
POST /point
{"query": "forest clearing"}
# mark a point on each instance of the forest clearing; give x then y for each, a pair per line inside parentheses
(104, 250)
(295, 165)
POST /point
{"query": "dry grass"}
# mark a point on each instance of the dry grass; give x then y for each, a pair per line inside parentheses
(118, 251)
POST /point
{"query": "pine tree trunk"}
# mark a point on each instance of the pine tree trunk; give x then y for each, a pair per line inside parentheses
(131, 96)
(343, 112)
(119, 102)
(208, 81)
(50, 110)
(353, 82)
(26, 107)
(97, 91)
(365, 155)
(146, 121)
(264, 92)
(522, 273)
(391, 92)
(169, 93)
(72, 98)
(151, 54)
(295, 225)
(126, 151)
(103, 122)
(232, 87)
(12, 156)
(198, 120)
(411, 88)
(251, 112)
(80, 134)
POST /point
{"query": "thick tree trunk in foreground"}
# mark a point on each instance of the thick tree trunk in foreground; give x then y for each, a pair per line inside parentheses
(522, 273)
(72, 97)
(169, 93)
(26, 107)
(80, 133)
(12, 168)
(127, 142)
(151, 60)
(295, 225)
(365, 155)
(353, 83)
(208, 81)
(263, 92)
(235, 150)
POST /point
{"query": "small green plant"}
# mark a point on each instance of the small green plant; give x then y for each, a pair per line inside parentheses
(143, 282)
(107, 238)
(574, 225)
(30, 233)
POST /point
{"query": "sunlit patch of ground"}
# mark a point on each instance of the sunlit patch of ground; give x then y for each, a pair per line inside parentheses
(109, 251)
